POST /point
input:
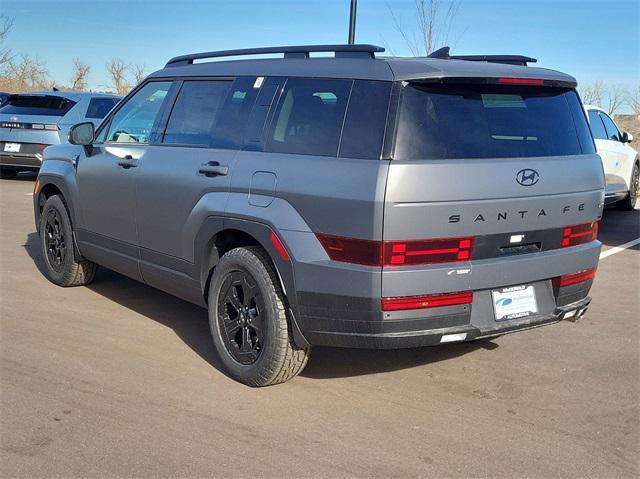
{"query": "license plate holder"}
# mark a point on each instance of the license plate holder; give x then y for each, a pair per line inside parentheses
(12, 147)
(514, 302)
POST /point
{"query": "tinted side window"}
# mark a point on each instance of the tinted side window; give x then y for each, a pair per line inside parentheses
(597, 127)
(364, 124)
(612, 129)
(99, 107)
(134, 122)
(232, 121)
(195, 111)
(309, 117)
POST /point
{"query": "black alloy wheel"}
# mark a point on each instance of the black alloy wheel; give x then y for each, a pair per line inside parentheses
(240, 307)
(55, 241)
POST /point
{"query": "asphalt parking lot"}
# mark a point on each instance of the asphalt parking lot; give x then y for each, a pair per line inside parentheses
(119, 379)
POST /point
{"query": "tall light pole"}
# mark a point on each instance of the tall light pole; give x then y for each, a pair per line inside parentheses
(352, 22)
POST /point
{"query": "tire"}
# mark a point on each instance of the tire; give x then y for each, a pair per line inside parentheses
(56, 240)
(629, 203)
(249, 322)
(7, 172)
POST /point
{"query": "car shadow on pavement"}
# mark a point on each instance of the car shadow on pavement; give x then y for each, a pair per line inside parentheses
(618, 226)
(191, 325)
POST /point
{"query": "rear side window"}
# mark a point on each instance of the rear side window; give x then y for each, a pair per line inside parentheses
(366, 118)
(309, 117)
(233, 119)
(597, 127)
(195, 112)
(490, 121)
(612, 130)
(99, 107)
(43, 105)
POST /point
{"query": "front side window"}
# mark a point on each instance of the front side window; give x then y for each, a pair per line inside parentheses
(455, 121)
(195, 112)
(310, 116)
(597, 127)
(99, 107)
(612, 130)
(134, 122)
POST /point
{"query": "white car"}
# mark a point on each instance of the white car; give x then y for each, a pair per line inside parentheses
(619, 159)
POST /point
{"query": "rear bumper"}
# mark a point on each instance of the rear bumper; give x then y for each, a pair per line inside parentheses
(21, 160)
(432, 337)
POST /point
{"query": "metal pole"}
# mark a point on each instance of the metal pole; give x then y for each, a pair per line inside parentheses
(352, 22)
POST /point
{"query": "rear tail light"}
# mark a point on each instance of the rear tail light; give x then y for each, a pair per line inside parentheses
(575, 278)
(521, 81)
(427, 301)
(579, 234)
(396, 253)
(351, 250)
(41, 148)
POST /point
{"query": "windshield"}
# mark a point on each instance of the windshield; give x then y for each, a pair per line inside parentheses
(490, 121)
(46, 105)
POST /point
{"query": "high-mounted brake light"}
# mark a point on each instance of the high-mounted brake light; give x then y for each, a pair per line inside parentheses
(575, 278)
(396, 253)
(427, 301)
(521, 81)
(579, 234)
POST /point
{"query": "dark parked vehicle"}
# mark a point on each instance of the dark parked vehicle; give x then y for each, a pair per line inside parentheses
(29, 122)
(348, 201)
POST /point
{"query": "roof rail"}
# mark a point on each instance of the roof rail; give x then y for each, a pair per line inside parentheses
(300, 51)
(443, 53)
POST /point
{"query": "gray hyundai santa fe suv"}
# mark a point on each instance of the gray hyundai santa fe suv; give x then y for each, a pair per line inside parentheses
(346, 201)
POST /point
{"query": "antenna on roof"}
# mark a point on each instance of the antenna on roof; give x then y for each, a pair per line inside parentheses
(442, 53)
(352, 22)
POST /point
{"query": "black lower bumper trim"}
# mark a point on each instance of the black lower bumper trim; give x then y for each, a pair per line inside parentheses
(432, 337)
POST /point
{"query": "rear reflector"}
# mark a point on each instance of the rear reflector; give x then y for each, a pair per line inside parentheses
(521, 81)
(396, 253)
(399, 253)
(279, 246)
(575, 278)
(579, 234)
(427, 301)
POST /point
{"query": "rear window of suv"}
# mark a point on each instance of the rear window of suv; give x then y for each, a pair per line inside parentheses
(490, 121)
(43, 105)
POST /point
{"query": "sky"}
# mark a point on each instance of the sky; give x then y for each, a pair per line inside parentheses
(589, 39)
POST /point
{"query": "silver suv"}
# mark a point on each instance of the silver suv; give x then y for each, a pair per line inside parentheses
(347, 201)
(29, 122)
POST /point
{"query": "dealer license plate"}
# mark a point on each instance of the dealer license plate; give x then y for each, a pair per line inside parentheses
(12, 147)
(514, 302)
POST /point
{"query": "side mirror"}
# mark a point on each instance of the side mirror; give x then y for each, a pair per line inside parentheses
(82, 134)
(626, 137)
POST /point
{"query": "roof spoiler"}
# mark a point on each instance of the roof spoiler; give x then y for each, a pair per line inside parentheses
(443, 54)
(300, 51)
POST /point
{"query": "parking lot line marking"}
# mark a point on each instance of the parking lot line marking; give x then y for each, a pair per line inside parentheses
(617, 249)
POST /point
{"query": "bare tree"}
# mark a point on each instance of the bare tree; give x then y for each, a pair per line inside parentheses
(592, 93)
(433, 28)
(6, 24)
(139, 72)
(633, 100)
(25, 74)
(79, 75)
(616, 98)
(117, 70)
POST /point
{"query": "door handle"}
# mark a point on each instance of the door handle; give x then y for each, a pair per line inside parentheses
(128, 162)
(213, 168)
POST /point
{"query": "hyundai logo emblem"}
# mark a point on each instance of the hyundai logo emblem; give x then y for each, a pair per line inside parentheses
(527, 177)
